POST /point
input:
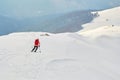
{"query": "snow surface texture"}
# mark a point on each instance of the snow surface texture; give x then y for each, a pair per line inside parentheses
(65, 56)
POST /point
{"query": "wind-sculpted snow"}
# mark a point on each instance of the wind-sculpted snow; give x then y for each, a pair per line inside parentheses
(61, 64)
(65, 56)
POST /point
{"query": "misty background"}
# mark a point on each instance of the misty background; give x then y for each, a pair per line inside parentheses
(49, 15)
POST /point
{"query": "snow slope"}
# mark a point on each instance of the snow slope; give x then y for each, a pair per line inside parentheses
(108, 31)
(65, 56)
(107, 17)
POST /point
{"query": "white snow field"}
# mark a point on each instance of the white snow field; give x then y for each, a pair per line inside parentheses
(109, 31)
(107, 17)
(91, 54)
(65, 56)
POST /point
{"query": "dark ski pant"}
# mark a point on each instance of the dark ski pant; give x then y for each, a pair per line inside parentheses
(35, 48)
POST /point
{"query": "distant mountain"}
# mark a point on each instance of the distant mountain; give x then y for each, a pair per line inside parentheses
(107, 17)
(106, 24)
(67, 22)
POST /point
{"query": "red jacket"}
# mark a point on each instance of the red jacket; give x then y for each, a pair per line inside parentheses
(37, 42)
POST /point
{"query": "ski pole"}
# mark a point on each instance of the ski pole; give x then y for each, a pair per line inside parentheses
(39, 50)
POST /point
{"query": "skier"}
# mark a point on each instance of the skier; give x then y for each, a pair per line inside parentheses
(36, 45)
